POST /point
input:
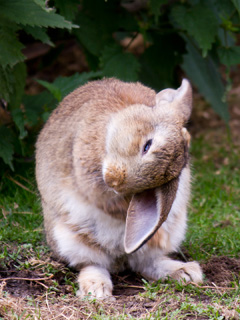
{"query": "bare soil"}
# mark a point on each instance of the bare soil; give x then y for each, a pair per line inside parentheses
(31, 290)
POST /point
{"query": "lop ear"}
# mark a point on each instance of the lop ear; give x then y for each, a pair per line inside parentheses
(146, 213)
(180, 100)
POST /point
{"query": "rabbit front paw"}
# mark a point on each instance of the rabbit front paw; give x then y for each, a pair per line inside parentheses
(95, 283)
(190, 271)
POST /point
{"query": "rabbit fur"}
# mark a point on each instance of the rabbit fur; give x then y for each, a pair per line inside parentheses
(113, 173)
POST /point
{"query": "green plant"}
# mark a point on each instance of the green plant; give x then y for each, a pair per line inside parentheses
(196, 36)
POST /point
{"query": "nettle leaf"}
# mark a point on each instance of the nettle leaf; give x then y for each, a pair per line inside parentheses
(55, 91)
(64, 85)
(92, 35)
(6, 83)
(224, 8)
(237, 5)
(159, 61)
(18, 118)
(12, 83)
(19, 73)
(155, 6)
(68, 84)
(205, 75)
(200, 22)
(68, 8)
(6, 146)
(36, 105)
(38, 33)
(229, 56)
(32, 13)
(116, 63)
(10, 47)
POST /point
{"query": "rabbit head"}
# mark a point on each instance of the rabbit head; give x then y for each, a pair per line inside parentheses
(146, 150)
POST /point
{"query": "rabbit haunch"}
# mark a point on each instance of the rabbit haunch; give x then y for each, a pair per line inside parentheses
(112, 170)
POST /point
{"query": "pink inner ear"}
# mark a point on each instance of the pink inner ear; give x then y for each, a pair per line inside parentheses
(142, 219)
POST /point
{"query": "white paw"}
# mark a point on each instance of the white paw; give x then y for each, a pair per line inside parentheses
(95, 283)
(190, 271)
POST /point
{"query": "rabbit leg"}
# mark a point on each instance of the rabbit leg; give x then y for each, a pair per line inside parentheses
(95, 281)
(163, 267)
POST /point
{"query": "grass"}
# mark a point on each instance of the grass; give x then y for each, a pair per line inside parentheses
(214, 216)
(213, 230)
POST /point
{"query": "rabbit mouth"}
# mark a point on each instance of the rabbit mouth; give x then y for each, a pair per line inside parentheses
(146, 213)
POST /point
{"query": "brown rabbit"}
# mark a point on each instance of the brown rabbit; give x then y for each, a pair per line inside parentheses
(113, 173)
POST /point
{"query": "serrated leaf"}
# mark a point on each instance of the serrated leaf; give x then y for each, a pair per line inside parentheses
(116, 63)
(155, 6)
(18, 118)
(34, 106)
(205, 75)
(68, 8)
(52, 88)
(68, 84)
(10, 47)
(6, 146)
(91, 36)
(12, 83)
(38, 33)
(237, 5)
(32, 13)
(40, 105)
(159, 61)
(200, 22)
(64, 85)
(19, 74)
(6, 83)
(229, 56)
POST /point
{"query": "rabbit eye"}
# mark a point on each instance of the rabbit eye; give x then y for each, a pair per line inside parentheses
(147, 146)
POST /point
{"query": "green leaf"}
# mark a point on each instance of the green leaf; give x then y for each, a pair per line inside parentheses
(35, 105)
(6, 146)
(19, 73)
(68, 84)
(200, 22)
(229, 56)
(92, 35)
(155, 6)
(18, 118)
(237, 5)
(38, 33)
(32, 13)
(64, 85)
(205, 75)
(68, 8)
(52, 88)
(10, 47)
(12, 83)
(6, 83)
(116, 63)
(159, 61)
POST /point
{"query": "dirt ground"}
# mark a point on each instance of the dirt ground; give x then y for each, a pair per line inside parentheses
(28, 291)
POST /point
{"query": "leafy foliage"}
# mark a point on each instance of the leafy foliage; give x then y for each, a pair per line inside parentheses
(149, 41)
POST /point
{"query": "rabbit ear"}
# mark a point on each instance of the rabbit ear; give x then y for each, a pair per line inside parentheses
(181, 100)
(146, 213)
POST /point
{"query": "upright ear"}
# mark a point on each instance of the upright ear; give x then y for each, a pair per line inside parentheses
(146, 213)
(180, 100)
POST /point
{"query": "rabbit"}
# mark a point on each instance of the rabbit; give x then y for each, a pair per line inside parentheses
(112, 168)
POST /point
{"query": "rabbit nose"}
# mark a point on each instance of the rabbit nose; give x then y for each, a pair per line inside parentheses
(114, 176)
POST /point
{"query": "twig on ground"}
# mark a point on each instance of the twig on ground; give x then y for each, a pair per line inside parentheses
(23, 178)
(211, 287)
(20, 184)
(29, 279)
(129, 286)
